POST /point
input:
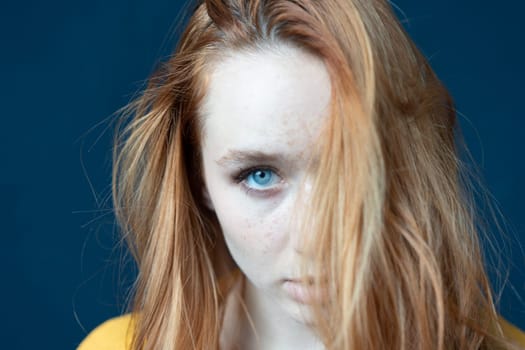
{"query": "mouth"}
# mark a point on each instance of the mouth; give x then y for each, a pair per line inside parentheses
(304, 291)
(307, 281)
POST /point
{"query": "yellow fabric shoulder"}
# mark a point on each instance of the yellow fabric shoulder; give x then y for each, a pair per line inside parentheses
(512, 332)
(115, 334)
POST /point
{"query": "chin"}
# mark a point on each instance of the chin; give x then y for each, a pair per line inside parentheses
(301, 313)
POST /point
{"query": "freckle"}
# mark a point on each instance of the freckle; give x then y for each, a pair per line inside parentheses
(291, 137)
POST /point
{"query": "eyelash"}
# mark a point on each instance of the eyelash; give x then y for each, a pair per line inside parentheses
(241, 176)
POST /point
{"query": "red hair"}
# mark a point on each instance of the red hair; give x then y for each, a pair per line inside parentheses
(394, 229)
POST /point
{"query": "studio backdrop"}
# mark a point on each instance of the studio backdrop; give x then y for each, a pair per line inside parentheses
(67, 66)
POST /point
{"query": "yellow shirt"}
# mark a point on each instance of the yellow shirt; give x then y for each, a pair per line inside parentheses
(115, 334)
(110, 335)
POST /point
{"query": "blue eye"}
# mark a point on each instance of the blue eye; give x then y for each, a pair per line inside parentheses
(260, 177)
(259, 180)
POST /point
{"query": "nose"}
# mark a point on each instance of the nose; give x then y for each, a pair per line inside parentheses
(298, 231)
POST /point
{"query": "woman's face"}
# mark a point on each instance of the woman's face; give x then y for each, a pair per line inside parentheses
(262, 113)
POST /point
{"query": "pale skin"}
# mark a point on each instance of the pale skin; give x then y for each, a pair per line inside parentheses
(271, 103)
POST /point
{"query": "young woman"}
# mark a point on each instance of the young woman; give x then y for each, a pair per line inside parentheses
(290, 180)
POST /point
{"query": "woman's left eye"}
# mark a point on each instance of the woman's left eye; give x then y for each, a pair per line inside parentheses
(258, 179)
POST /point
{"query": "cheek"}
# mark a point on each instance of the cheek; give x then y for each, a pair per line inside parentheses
(256, 243)
(252, 227)
(248, 227)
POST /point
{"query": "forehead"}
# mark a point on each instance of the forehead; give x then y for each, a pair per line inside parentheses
(272, 99)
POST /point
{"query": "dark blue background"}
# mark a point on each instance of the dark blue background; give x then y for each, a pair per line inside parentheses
(66, 67)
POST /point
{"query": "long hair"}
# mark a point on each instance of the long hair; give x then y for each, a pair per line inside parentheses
(395, 233)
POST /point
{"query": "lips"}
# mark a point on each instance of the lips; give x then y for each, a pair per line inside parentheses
(303, 292)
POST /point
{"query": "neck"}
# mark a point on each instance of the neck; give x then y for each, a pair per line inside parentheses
(270, 327)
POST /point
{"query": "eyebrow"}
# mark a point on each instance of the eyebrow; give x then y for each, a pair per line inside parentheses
(235, 157)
